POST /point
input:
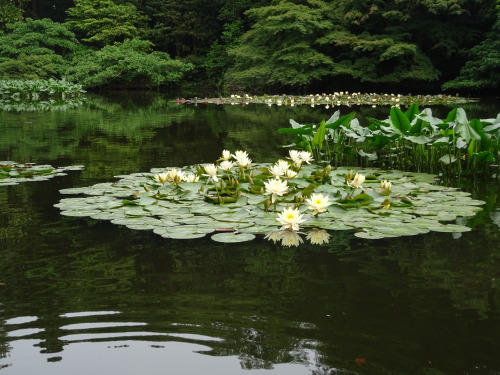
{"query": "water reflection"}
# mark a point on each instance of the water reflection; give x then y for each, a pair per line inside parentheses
(81, 296)
(290, 238)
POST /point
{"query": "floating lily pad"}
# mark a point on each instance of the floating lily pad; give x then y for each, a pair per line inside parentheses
(12, 173)
(232, 237)
(414, 206)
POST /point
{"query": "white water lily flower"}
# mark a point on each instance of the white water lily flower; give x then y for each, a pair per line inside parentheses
(290, 173)
(290, 218)
(176, 176)
(283, 164)
(240, 154)
(318, 203)
(276, 170)
(226, 155)
(192, 177)
(243, 160)
(290, 238)
(275, 187)
(306, 156)
(211, 170)
(226, 165)
(357, 181)
(318, 236)
(295, 156)
(385, 185)
(161, 177)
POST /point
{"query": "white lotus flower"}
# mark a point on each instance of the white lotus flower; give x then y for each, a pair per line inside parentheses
(357, 181)
(295, 156)
(176, 176)
(243, 160)
(318, 203)
(161, 177)
(318, 236)
(306, 156)
(226, 155)
(240, 154)
(290, 238)
(192, 177)
(211, 170)
(283, 164)
(385, 185)
(226, 165)
(275, 187)
(276, 171)
(290, 218)
(290, 173)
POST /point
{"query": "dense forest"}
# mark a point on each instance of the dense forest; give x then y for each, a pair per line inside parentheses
(258, 46)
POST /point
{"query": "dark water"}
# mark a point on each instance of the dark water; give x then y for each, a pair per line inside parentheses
(80, 296)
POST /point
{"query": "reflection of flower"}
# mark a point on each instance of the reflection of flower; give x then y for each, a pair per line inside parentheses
(318, 236)
(274, 236)
(290, 218)
(211, 170)
(161, 177)
(318, 203)
(357, 181)
(275, 187)
(287, 237)
(385, 185)
(226, 165)
(290, 238)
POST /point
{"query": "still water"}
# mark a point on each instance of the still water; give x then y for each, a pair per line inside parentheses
(80, 296)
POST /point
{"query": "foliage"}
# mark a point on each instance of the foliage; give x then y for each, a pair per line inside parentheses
(299, 43)
(101, 22)
(482, 71)
(34, 49)
(126, 64)
(10, 11)
(234, 205)
(413, 140)
(12, 173)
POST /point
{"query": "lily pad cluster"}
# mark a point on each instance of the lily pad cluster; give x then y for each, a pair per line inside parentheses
(12, 173)
(237, 203)
(331, 100)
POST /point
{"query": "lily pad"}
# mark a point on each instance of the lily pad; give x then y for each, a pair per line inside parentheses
(232, 237)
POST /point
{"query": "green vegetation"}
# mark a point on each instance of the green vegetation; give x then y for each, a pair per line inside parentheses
(285, 45)
(12, 173)
(414, 141)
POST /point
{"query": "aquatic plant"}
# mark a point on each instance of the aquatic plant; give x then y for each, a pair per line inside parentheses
(331, 100)
(234, 204)
(12, 173)
(412, 140)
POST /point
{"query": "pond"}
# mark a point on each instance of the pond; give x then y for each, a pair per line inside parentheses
(84, 296)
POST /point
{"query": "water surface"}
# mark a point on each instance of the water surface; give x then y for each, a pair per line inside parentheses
(82, 296)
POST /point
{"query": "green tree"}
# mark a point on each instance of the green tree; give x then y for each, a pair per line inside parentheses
(101, 22)
(10, 11)
(482, 71)
(131, 63)
(280, 48)
(408, 42)
(35, 49)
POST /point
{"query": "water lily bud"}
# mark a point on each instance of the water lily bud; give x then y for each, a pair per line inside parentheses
(385, 185)
(267, 205)
(328, 169)
(222, 184)
(350, 175)
(146, 188)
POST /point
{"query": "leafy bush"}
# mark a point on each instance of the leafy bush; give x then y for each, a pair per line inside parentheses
(125, 64)
(34, 49)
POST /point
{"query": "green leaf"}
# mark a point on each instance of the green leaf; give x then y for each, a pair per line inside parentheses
(399, 120)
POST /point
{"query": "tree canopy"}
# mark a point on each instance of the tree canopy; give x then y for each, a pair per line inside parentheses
(412, 45)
